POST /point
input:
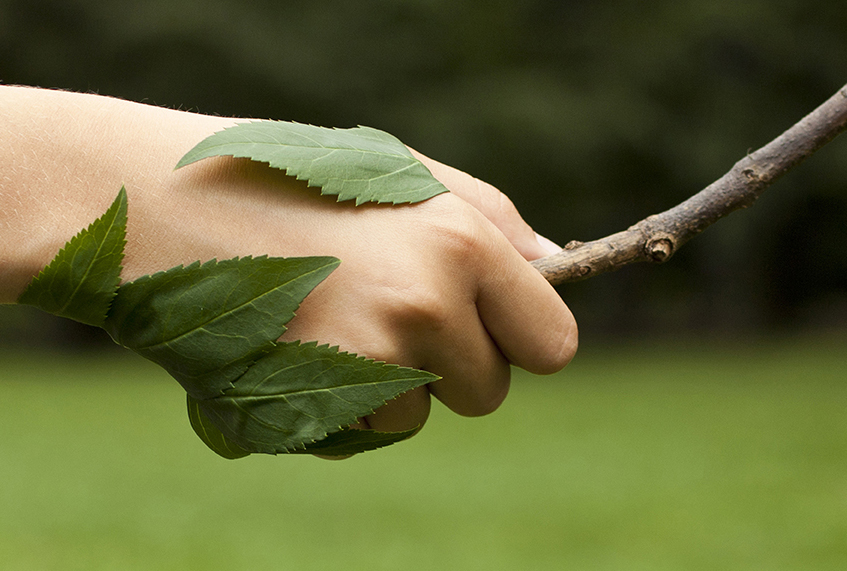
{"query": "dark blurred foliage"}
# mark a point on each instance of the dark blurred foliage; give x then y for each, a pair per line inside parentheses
(590, 115)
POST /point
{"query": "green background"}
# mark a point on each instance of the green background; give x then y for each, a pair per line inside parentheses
(652, 457)
(722, 449)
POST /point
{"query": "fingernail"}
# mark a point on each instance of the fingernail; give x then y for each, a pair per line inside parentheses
(549, 246)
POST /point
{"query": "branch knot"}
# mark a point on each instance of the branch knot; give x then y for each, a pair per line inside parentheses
(660, 247)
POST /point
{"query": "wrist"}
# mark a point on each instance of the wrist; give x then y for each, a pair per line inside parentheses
(64, 156)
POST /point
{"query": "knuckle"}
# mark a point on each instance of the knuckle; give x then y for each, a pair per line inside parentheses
(418, 308)
(458, 236)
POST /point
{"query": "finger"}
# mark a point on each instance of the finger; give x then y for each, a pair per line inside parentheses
(549, 245)
(475, 375)
(407, 411)
(494, 205)
(524, 315)
(481, 307)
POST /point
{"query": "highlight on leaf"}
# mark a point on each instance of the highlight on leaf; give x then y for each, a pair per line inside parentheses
(81, 280)
(361, 163)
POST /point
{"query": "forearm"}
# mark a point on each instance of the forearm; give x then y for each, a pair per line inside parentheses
(64, 156)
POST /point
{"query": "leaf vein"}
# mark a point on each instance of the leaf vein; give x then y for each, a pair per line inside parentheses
(229, 312)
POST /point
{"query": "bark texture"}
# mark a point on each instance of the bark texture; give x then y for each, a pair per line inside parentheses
(658, 237)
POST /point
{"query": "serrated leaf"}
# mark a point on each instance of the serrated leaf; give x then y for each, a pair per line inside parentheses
(362, 163)
(342, 443)
(354, 441)
(297, 394)
(81, 281)
(209, 433)
(205, 323)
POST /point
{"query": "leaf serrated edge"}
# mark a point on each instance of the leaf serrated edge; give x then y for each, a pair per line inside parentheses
(302, 448)
(334, 262)
(189, 157)
(356, 356)
(119, 218)
(389, 438)
(119, 207)
(227, 449)
(194, 155)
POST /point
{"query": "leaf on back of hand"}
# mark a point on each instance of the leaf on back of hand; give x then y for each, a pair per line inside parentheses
(297, 394)
(362, 163)
(81, 281)
(206, 323)
(213, 327)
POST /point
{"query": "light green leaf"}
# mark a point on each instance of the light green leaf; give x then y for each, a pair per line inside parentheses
(362, 163)
(206, 323)
(82, 279)
(297, 394)
(210, 435)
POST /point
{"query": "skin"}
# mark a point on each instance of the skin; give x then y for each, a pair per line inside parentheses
(443, 285)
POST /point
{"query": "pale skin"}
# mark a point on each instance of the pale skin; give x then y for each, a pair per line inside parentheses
(443, 285)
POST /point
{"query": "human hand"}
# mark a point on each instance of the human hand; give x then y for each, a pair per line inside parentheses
(446, 290)
(441, 285)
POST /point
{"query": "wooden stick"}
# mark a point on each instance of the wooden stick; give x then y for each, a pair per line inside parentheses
(658, 237)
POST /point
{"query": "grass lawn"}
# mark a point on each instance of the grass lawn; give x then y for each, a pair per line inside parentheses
(637, 458)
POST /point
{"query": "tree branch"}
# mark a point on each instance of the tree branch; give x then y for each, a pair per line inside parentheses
(658, 237)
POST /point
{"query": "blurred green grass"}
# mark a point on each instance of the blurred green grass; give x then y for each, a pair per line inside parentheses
(656, 456)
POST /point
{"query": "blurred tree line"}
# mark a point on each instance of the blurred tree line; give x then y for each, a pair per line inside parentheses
(589, 115)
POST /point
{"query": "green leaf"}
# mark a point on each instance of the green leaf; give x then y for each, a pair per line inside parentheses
(213, 327)
(206, 323)
(360, 163)
(209, 433)
(81, 281)
(297, 394)
(353, 441)
(342, 443)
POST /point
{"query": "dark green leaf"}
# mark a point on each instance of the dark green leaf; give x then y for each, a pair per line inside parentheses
(206, 323)
(352, 441)
(298, 393)
(362, 163)
(210, 324)
(81, 281)
(342, 443)
(210, 435)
